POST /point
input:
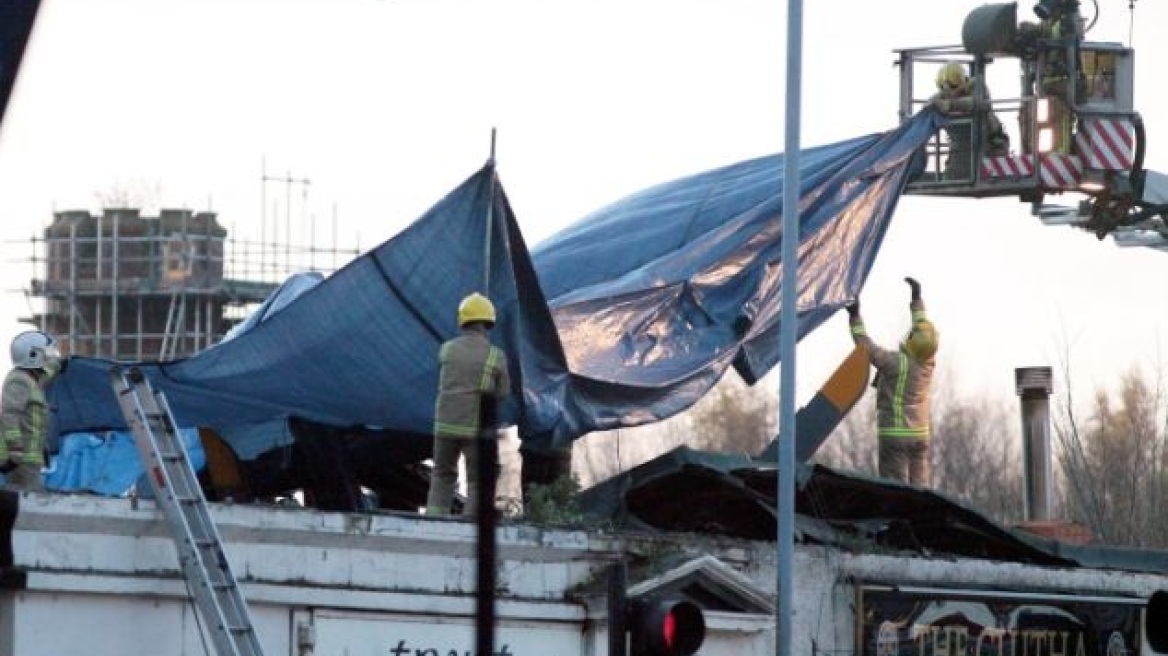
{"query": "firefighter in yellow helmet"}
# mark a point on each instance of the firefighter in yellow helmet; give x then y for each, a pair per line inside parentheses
(903, 386)
(24, 412)
(473, 380)
(955, 99)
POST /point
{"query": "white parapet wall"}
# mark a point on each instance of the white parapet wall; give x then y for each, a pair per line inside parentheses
(379, 581)
(104, 581)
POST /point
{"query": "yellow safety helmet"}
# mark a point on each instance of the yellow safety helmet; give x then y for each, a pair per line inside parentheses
(952, 76)
(476, 307)
(921, 342)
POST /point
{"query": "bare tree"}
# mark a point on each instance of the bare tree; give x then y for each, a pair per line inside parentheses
(1079, 492)
(734, 417)
(975, 454)
(1114, 463)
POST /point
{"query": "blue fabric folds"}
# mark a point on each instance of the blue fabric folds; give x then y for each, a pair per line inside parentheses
(626, 317)
(107, 463)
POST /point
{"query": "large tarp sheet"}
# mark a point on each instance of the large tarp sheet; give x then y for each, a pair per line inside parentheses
(656, 295)
(636, 311)
(361, 347)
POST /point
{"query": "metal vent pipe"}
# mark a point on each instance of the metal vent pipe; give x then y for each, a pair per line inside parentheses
(1033, 385)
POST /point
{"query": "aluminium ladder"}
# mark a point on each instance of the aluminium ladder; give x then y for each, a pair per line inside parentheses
(177, 490)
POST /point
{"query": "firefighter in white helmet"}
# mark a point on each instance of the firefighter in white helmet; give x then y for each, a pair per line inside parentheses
(473, 380)
(903, 387)
(24, 412)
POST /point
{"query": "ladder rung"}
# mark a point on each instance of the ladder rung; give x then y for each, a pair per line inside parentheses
(201, 554)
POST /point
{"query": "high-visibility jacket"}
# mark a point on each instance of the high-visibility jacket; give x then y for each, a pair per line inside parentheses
(24, 416)
(902, 384)
(471, 369)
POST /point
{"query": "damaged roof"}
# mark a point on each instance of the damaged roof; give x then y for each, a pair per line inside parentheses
(687, 490)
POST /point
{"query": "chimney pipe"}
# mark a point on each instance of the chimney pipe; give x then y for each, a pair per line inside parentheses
(1034, 386)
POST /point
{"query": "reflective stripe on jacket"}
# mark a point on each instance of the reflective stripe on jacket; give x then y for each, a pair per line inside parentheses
(471, 368)
(902, 385)
(24, 414)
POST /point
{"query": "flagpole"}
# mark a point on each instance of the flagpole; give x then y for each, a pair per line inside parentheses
(785, 537)
(490, 221)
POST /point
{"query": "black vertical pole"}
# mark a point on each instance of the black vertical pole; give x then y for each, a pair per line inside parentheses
(9, 509)
(488, 457)
(618, 608)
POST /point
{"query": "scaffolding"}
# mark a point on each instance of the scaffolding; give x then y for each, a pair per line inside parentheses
(127, 287)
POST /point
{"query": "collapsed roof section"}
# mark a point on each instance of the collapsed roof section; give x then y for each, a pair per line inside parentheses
(687, 490)
(696, 491)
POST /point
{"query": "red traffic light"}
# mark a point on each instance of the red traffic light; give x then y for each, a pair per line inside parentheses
(665, 627)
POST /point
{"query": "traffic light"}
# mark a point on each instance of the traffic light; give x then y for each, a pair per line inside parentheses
(665, 627)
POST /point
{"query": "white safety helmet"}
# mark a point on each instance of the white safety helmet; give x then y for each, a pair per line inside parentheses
(32, 349)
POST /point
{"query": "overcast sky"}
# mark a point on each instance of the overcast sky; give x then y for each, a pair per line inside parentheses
(386, 105)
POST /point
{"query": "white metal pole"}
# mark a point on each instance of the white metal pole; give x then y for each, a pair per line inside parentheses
(787, 319)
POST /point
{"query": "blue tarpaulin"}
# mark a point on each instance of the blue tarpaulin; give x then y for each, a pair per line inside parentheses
(627, 317)
(107, 463)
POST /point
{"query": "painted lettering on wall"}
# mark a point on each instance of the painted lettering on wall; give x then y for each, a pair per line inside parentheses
(388, 634)
(405, 648)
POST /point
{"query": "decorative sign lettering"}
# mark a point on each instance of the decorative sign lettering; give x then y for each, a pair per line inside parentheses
(934, 623)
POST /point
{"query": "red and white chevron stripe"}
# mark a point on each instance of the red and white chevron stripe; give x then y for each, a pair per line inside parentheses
(1106, 144)
(1055, 170)
(1059, 171)
(1007, 166)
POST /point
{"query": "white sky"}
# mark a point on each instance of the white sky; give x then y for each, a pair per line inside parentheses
(385, 105)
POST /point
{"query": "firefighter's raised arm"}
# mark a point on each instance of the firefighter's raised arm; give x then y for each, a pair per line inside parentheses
(880, 357)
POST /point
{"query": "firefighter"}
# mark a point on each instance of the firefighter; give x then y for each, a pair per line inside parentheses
(1049, 38)
(1054, 84)
(473, 380)
(955, 99)
(903, 381)
(25, 412)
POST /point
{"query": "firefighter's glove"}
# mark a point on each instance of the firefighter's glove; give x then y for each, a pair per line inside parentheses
(943, 105)
(8, 466)
(853, 309)
(915, 287)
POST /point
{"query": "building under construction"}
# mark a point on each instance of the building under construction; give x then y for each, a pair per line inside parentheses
(123, 286)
